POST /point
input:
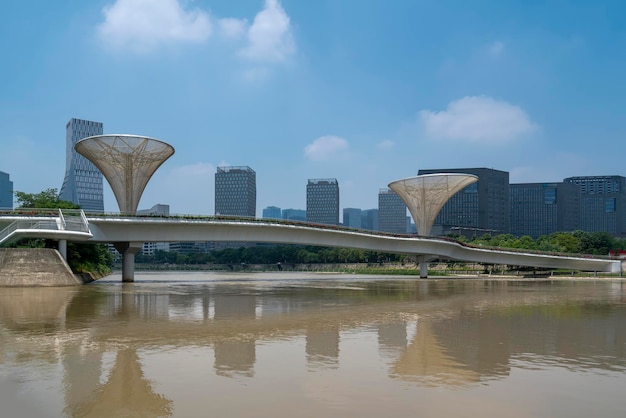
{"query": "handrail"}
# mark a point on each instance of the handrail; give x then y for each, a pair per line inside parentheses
(7, 231)
(63, 224)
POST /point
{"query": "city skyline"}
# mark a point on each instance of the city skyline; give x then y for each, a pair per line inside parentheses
(327, 89)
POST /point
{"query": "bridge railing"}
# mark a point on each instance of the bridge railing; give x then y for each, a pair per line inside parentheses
(50, 224)
(74, 220)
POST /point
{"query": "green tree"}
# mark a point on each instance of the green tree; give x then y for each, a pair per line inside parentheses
(48, 199)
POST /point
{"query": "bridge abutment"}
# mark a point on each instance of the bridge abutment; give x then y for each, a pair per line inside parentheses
(128, 251)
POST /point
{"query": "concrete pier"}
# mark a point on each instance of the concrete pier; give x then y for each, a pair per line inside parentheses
(128, 251)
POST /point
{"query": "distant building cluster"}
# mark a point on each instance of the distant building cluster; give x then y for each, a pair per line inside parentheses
(491, 205)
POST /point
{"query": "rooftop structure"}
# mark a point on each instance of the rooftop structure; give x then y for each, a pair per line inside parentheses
(127, 162)
(425, 195)
(483, 206)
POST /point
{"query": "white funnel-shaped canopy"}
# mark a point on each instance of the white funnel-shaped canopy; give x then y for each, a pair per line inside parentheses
(425, 195)
(127, 162)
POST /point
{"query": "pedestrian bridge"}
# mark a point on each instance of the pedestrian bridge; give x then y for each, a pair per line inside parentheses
(65, 225)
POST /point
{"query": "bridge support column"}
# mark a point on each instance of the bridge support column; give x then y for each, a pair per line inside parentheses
(423, 262)
(128, 251)
(63, 248)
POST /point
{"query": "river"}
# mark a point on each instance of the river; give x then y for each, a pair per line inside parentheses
(198, 344)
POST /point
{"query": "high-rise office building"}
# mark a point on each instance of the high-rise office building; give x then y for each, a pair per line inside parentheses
(294, 214)
(235, 191)
(6, 191)
(602, 203)
(272, 212)
(352, 217)
(83, 181)
(543, 208)
(480, 207)
(391, 212)
(369, 219)
(322, 201)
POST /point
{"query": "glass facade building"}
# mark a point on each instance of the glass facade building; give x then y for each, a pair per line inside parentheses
(322, 201)
(6, 191)
(391, 212)
(272, 212)
(369, 219)
(294, 214)
(352, 217)
(543, 208)
(602, 203)
(480, 207)
(82, 184)
(235, 191)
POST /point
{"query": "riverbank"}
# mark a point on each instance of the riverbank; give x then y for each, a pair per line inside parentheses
(448, 270)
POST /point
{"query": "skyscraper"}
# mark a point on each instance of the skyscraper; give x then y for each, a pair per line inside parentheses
(235, 191)
(352, 217)
(6, 191)
(322, 201)
(83, 181)
(480, 207)
(543, 208)
(602, 203)
(391, 212)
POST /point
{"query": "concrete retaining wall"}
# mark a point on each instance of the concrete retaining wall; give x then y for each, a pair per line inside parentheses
(20, 267)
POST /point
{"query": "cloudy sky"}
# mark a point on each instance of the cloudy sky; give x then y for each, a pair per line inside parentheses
(363, 91)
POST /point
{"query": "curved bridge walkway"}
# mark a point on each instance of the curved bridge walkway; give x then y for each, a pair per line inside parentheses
(134, 231)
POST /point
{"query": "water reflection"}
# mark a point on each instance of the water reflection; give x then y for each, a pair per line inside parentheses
(428, 334)
(125, 393)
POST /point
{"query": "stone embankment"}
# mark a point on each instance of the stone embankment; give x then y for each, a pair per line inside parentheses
(31, 267)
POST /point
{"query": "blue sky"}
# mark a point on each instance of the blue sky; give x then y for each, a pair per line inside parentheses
(365, 91)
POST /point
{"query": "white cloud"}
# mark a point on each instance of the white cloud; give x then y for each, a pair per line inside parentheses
(142, 25)
(269, 36)
(386, 144)
(496, 48)
(477, 119)
(232, 28)
(326, 148)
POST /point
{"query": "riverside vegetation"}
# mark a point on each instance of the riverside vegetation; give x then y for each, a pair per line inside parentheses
(81, 257)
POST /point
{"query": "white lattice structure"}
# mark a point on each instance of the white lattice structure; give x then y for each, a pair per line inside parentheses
(127, 162)
(425, 195)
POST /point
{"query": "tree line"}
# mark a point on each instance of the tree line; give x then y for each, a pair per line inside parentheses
(577, 242)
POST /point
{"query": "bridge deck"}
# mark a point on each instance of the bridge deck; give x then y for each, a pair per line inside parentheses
(138, 229)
